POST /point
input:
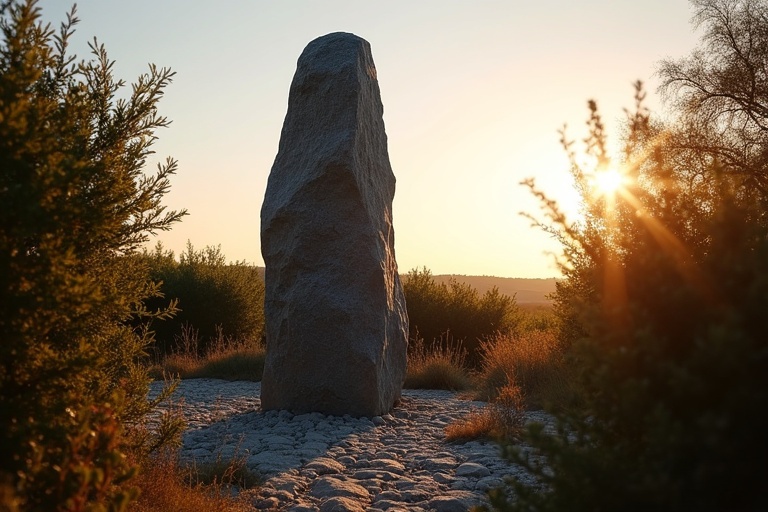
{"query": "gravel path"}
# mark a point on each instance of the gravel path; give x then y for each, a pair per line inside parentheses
(314, 462)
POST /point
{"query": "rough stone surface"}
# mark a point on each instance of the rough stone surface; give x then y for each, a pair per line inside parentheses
(336, 322)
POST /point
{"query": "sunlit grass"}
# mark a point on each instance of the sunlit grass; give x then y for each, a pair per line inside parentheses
(436, 366)
(501, 420)
(532, 361)
(226, 359)
(166, 485)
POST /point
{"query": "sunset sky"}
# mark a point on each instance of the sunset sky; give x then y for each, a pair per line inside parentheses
(474, 93)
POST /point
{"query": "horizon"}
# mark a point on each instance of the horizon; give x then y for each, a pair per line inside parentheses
(473, 93)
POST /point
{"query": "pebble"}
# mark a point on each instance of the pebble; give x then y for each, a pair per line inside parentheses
(314, 462)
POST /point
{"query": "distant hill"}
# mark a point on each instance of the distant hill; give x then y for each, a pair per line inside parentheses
(526, 291)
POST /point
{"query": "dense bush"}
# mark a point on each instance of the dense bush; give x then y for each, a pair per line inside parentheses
(455, 312)
(213, 297)
(532, 362)
(664, 301)
(75, 203)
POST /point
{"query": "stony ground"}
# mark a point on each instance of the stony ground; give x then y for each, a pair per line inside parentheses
(313, 462)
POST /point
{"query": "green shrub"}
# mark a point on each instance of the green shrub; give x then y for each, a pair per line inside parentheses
(75, 203)
(213, 297)
(664, 301)
(438, 311)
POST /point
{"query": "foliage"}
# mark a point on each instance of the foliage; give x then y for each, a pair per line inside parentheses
(75, 203)
(225, 358)
(168, 486)
(437, 311)
(501, 420)
(436, 366)
(532, 362)
(213, 297)
(664, 304)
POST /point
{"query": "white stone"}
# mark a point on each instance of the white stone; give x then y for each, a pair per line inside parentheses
(472, 470)
(325, 466)
(331, 487)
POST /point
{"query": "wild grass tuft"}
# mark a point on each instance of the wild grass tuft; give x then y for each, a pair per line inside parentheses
(501, 420)
(166, 485)
(533, 362)
(229, 472)
(438, 366)
(225, 359)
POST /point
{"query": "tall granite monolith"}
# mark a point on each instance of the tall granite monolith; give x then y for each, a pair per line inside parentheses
(336, 323)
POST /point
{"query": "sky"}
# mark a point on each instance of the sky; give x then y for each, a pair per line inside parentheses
(474, 94)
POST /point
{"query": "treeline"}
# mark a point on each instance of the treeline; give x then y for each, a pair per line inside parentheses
(213, 297)
(219, 299)
(454, 313)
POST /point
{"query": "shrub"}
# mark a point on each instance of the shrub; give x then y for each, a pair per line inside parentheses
(664, 298)
(437, 311)
(75, 203)
(168, 486)
(436, 366)
(532, 362)
(225, 358)
(501, 420)
(213, 297)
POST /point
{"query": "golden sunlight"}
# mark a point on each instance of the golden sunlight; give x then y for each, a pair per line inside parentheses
(608, 182)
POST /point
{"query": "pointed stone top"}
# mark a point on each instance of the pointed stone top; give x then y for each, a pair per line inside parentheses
(331, 51)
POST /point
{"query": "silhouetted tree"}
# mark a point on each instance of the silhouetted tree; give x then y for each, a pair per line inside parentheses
(721, 88)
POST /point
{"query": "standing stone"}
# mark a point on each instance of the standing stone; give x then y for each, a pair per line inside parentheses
(336, 322)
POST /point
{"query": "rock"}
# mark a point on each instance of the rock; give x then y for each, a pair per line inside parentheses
(267, 503)
(372, 474)
(341, 505)
(388, 465)
(456, 502)
(439, 463)
(325, 466)
(330, 487)
(473, 470)
(488, 483)
(301, 507)
(336, 322)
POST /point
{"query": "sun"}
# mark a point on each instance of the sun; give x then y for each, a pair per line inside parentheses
(608, 182)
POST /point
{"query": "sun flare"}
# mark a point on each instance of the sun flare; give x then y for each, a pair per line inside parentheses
(608, 182)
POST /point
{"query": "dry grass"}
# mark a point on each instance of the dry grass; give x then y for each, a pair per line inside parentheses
(167, 486)
(501, 420)
(440, 366)
(226, 359)
(532, 362)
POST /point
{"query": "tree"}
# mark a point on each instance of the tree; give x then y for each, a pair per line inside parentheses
(75, 204)
(721, 89)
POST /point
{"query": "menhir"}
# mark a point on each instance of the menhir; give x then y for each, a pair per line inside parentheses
(336, 323)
